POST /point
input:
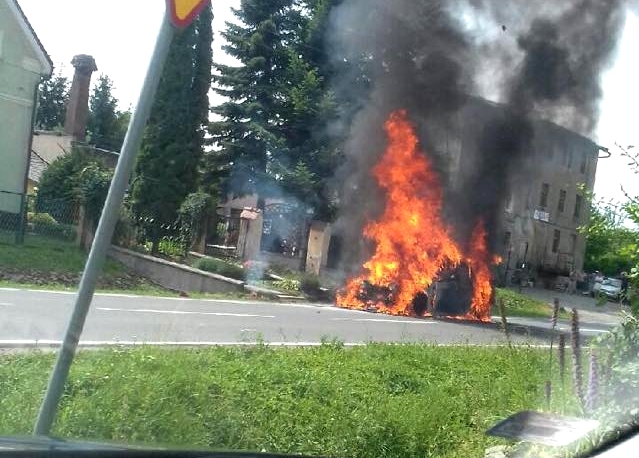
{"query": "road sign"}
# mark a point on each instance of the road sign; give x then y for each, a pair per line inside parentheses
(183, 12)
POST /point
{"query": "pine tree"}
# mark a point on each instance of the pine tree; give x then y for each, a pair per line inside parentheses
(248, 135)
(52, 100)
(273, 134)
(167, 167)
(102, 124)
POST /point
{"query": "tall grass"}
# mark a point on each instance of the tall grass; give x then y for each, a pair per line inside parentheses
(373, 401)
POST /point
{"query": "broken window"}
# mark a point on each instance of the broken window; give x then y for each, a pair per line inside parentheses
(555, 240)
(562, 201)
(543, 198)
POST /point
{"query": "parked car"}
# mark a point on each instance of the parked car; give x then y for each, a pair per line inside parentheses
(598, 279)
(611, 288)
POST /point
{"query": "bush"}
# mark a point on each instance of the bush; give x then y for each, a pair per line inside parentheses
(41, 220)
(288, 284)
(310, 284)
(217, 266)
(191, 217)
(45, 224)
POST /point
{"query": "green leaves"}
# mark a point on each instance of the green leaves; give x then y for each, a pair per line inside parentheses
(273, 134)
(167, 169)
(52, 99)
(103, 124)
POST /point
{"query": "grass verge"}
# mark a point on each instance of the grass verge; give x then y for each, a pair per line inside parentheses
(53, 264)
(372, 401)
(520, 305)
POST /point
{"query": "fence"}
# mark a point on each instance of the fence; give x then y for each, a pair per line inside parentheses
(23, 216)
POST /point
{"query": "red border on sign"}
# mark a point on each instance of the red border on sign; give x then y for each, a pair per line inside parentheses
(176, 21)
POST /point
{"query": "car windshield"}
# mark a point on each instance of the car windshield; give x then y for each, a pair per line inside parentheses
(358, 228)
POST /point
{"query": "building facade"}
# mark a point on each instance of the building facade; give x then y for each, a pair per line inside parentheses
(546, 203)
(23, 62)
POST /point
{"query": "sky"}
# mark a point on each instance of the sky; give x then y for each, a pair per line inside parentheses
(120, 35)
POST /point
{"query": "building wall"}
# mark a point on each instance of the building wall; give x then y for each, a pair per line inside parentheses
(541, 214)
(51, 145)
(557, 157)
(19, 75)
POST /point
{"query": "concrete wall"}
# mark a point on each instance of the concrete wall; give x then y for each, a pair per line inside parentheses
(51, 145)
(19, 75)
(175, 276)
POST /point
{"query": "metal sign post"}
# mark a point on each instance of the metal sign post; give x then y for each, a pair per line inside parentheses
(105, 229)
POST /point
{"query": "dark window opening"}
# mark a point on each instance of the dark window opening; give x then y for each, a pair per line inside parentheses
(584, 164)
(543, 197)
(556, 238)
(562, 201)
(507, 237)
(578, 203)
(573, 243)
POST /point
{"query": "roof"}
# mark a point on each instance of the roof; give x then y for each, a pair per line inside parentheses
(32, 37)
(37, 165)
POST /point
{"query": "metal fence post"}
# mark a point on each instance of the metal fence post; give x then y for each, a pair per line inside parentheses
(22, 220)
(104, 231)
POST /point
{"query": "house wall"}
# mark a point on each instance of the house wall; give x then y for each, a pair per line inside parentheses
(51, 145)
(19, 75)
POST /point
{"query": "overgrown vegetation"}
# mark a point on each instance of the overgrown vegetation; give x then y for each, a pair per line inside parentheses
(218, 266)
(374, 401)
(516, 304)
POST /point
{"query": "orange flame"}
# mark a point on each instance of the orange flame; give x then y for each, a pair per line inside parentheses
(413, 245)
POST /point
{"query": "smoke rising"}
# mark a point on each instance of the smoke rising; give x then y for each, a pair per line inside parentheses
(438, 59)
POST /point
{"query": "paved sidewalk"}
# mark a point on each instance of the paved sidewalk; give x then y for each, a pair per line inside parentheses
(593, 319)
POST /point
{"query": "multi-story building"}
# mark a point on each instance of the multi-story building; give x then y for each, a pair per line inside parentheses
(546, 205)
(543, 217)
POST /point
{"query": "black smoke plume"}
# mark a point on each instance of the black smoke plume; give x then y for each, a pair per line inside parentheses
(439, 59)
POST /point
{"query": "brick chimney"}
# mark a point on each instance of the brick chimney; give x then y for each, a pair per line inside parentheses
(75, 123)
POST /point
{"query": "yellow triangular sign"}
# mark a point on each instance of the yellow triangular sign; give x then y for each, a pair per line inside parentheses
(183, 12)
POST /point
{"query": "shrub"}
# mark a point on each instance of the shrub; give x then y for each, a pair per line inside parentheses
(310, 284)
(41, 220)
(192, 215)
(217, 266)
(287, 284)
(254, 270)
(45, 224)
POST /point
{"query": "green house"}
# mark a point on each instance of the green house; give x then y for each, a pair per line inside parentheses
(23, 62)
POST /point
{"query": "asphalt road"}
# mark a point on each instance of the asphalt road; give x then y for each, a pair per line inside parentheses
(28, 316)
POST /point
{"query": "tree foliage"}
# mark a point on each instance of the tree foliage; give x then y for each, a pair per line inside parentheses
(167, 167)
(272, 137)
(61, 179)
(611, 247)
(53, 94)
(105, 124)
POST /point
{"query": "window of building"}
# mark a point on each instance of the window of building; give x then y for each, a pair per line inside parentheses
(509, 204)
(562, 201)
(556, 238)
(578, 203)
(569, 159)
(573, 243)
(507, 237)
(584, 164)
(543, 197)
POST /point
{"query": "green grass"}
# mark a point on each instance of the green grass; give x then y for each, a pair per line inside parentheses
(44, 253)
(520, 305)
(373, 401)
(45, 258)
